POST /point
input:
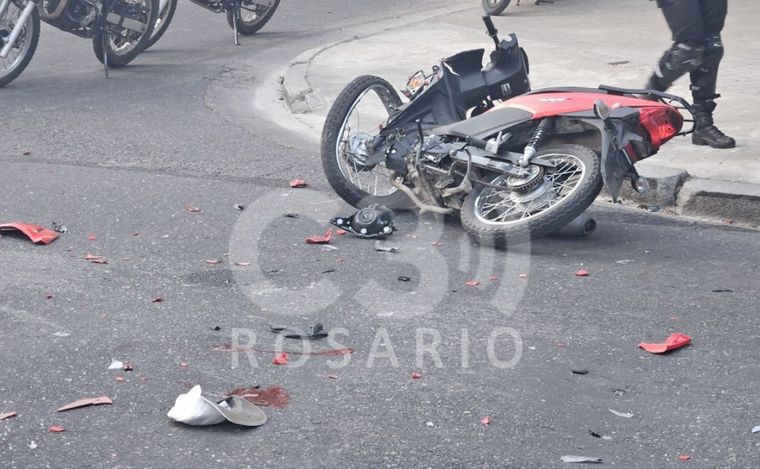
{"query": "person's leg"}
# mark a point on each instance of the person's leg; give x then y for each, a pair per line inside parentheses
(684, 17)
(704, 78)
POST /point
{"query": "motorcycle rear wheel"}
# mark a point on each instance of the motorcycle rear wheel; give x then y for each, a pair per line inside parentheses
(498, 217)
(125, 47)
(253, 16)
(164, 18)
(495, 7)
(359, 187)
(20, 55)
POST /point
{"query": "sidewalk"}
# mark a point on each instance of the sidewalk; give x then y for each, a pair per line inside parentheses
(575, 43)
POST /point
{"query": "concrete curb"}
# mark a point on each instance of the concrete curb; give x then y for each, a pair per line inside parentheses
(735, 201)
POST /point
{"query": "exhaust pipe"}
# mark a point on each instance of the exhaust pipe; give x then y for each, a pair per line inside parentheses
(582, 226)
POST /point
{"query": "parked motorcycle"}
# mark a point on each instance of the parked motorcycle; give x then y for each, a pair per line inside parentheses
(119, 29)
(244, 16)
(513, 163)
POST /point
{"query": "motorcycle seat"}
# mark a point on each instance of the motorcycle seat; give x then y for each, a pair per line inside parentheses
(486, 124)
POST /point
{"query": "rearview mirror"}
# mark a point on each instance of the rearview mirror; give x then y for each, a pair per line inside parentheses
(601, 110)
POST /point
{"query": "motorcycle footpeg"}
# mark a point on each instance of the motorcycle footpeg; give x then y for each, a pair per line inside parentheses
(375, 221)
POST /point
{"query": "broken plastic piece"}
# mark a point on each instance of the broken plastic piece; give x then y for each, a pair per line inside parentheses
(86, 402)
(684, 457)
(485, 421)
(239, 207)
(95, 259)
(213, 261)
(416, 375)
(291, 215)
(374, 221)
(340, 232)
(7, 415)
(581, 459)
(35, 233)
(317, 331)
(403, 278)
(116, 365)
(156, 299)
(754, 430)
(56, 429)
(379, 246)
(297, 183)
(281, 359)
(582, 273)
(472, 283)
(625, 415)
(579, 372)
(91, 236)
(594, 434)
(194, 409)
(59, 228)
(192, 209)
(674, 341)
(324, 239)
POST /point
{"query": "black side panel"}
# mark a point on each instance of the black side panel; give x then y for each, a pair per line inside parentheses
(485, 124)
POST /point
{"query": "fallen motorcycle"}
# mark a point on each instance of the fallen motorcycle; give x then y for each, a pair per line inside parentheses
(513, 163)
(245, 17)
(119, 29)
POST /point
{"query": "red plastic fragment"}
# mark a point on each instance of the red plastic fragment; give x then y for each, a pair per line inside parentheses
(436, 244)
(684, 457)
(127, 366)
(7, 415)
(416, 375)
(192, 209)
(274, 396)
(48, 296)
(332, 376)
(119, 378)
(242, 264)
(86, 402)
(472, 283)
(297, 183)
(56, 429)
(213, 261)
(674, 341)
(91, 236)
(493, 278)
(340, 232)
(156, 299)
(183, 364)
(485, 421)
(95, 259)
(281, 359)
(324, 239)
(35, 233)
(582, 273)
(523, 275)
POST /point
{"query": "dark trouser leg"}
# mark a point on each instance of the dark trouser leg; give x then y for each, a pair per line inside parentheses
(684, 18)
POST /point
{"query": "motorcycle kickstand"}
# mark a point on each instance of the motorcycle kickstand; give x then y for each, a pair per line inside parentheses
(235, 18)
(106, 42)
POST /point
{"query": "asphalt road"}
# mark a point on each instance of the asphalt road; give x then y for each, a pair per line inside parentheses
(123, 159)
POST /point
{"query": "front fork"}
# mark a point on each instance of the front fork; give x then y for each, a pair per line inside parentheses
(16, 31)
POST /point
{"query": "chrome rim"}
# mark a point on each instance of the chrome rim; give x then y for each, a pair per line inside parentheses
(253, 12)
(506, 207)
(375, 182)
(8, 21)
(160, 21)
(125, 40)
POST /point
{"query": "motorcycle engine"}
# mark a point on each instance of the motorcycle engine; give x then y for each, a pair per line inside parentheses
(68, 15)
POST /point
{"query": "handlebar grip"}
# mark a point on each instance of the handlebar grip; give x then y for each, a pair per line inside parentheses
(492, 31)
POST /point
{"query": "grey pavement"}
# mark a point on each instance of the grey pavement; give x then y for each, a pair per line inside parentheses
(574, 43)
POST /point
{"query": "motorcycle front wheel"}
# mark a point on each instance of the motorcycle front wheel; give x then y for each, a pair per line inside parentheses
(165, 16)
(355, 117)
(495, 7)
(254, 14)
(508, 210)
(124, 45)
(23, 49)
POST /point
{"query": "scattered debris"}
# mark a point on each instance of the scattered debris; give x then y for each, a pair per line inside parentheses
(624, 261)
(213, 261)
(242, 263)
(485, 421)
(281, 359)
(116, 365)
(119, 378)
(291, 215)
(91, 236)
(416, 375)
(581, 459)
(239, 207)
(523, 275)
(216, 328)
(194, 409)
(722, 290)
(192, 209)
(430, 424)
(128, 366)
(674, 341)
(317, 331)
(374, 221)
(32, 445)
(579, 372)
(493, 278)
(35, 233)
(684, 457)
(332, 376)
(86, 402)
(625, 415)
(183, 364)
(594, 434)
(56, 429)
(728, 221)
(95, 259)
(472, 283)
(297, 183)
(324, 239)
(245, 348)
(26, 152)
(328, 271)
(156, 299)
(754, 430)
(7, 415)
(436, 244)
(328, 247)
(57, 227)
(340, 232)
(403, 278)
(380, 246)
(48, 296)
(273, 396)
(582, 273)
(61, 334)
(618, 392)
(618, 62)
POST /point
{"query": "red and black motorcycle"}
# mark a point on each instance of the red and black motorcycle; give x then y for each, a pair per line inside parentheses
(514, 163)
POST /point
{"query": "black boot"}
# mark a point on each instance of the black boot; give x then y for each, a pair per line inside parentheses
(705, 132)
